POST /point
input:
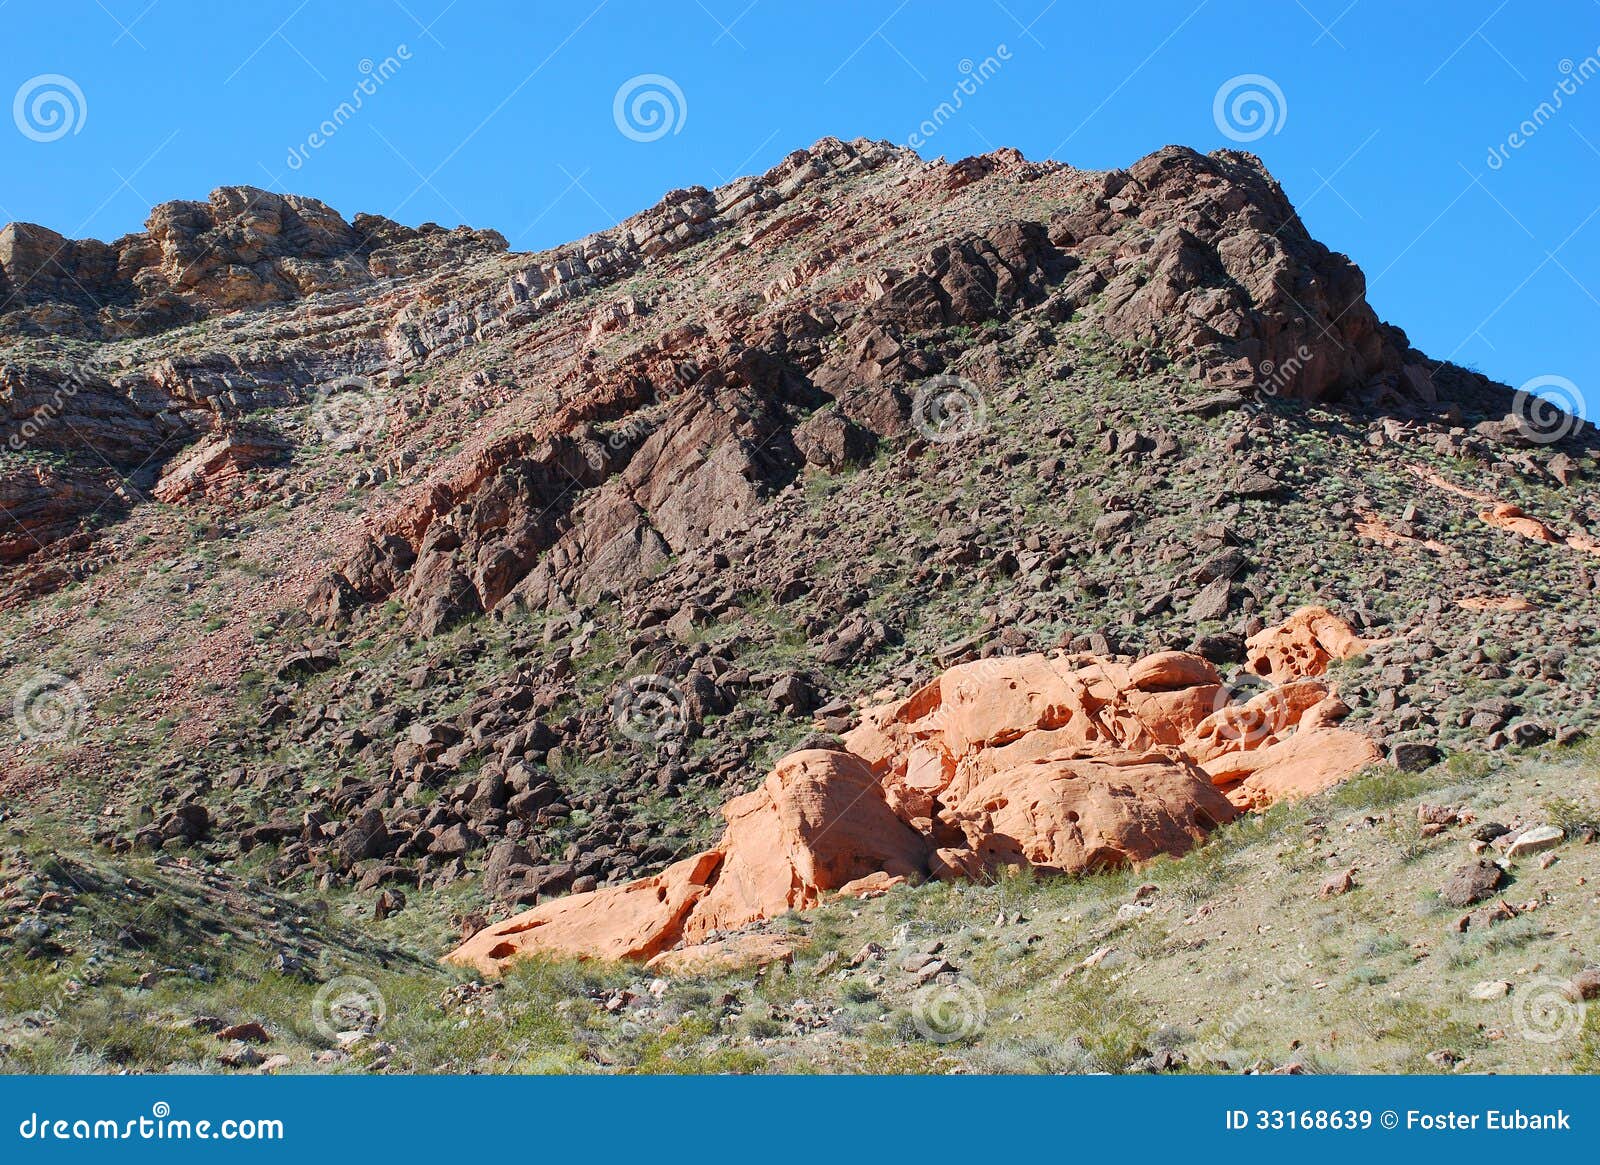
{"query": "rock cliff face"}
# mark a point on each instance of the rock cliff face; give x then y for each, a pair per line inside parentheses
(395, 559)
(1200, 258)
(133, 406)
(242, 248)
(1186, 258)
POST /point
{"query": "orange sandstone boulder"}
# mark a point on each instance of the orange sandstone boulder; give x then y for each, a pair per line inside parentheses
(995, 701)
(1262, 720)
(1302, 645)
(872, 886)
(1061, 762)
(738, 952)
(909, 769)
(1079, 810)
(994, 713)
(817, 823)
(1512, 603)
(1510, 517)
(634, 921)
(1324, 715)
(1440, 482)
(1373, 528)
(1583, 542)
(1303, 764)
(1171, 669)
(955, 864)
(1139, 720)
(1505, 516)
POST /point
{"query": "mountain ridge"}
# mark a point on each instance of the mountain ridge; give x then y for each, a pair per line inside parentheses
(438, 580)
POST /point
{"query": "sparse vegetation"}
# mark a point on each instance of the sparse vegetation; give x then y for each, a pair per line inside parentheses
(132, 930)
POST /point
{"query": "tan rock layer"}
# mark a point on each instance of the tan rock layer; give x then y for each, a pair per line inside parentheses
(1511, 603)
(1373, 528)
(1508, 516)
(1061, 763)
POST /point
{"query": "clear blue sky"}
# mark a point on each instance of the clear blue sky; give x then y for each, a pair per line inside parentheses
(502, 115)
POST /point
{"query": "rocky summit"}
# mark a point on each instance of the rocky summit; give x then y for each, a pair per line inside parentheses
(885, 614)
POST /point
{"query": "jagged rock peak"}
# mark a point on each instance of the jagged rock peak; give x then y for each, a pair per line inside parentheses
(242, 247)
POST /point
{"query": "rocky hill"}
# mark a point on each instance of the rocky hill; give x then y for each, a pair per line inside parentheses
(853, 528)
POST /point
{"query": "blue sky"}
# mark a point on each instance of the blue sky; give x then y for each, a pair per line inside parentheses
(1381, 124)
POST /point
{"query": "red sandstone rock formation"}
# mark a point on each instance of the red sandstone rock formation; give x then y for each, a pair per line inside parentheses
(1505, 516)
(45, 504)
(1510, 517)
(217, 466)
(1057, 762)
(817, 823)
(1084, 809)
(1302, 645)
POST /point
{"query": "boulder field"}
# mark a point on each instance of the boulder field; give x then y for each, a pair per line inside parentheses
(1066, 763)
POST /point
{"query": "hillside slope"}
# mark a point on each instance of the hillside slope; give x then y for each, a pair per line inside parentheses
(352, 569)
